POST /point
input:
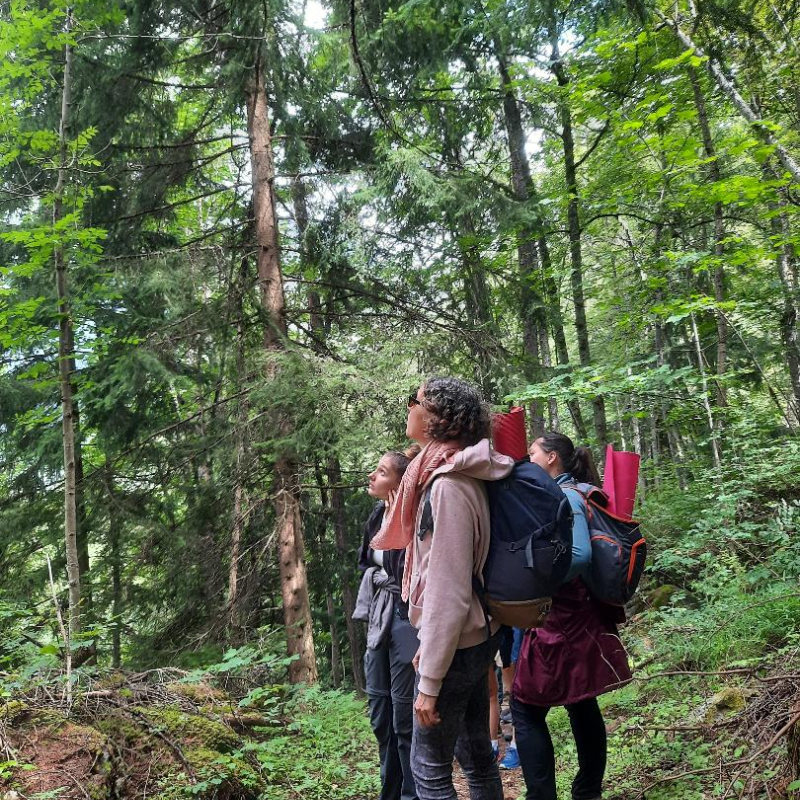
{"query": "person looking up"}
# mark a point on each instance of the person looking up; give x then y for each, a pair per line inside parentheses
(575, 656)
(391, 639)
(441, 516)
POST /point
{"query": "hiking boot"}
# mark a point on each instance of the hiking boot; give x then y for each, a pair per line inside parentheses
(510, 760)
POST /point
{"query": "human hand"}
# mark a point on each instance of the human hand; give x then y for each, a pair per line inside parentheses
(389, 501)
(425, 709)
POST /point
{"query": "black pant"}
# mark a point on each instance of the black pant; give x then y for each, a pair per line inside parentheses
(390, 689)
(535, 748)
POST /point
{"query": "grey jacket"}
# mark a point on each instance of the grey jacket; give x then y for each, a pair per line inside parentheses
(375, 605)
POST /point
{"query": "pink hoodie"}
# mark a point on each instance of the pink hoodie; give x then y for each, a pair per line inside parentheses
(442, 605)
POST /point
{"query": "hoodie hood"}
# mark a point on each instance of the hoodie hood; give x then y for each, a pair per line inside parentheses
(478, 461)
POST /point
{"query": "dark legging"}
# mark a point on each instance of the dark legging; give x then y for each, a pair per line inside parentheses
(535, 749)
(390, 689)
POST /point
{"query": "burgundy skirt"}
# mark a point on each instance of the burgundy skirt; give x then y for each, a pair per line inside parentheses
(575, 655)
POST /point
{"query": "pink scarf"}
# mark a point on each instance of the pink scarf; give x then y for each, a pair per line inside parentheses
(399, 522)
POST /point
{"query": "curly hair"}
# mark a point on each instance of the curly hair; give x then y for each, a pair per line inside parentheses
(457, 412)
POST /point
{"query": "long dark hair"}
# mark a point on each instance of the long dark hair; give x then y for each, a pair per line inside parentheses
(402, 458)
(576, 460)
(457, 412)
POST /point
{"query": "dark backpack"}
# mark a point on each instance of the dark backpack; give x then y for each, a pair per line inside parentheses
(530, 545)
(618, 548)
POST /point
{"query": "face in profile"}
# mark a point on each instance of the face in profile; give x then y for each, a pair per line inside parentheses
(540, 456)
(415, 426)
(383, 479)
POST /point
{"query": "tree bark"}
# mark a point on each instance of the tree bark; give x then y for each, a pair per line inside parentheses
(575, 246)
(294, 579)
(66, 354)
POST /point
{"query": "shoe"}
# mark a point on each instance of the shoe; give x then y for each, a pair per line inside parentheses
(505, 716)
(508, 736)
(510, 760)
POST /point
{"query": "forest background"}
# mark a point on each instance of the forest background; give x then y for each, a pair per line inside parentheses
(235, 235)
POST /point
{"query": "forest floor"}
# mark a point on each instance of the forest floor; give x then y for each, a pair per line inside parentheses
(155, 736)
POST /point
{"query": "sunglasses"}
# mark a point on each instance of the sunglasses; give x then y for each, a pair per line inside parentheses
(412, 400)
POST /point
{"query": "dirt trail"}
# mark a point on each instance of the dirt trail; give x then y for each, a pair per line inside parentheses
(513, 784)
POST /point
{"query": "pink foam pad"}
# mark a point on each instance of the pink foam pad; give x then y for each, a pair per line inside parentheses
(508, 433)
(620, 479)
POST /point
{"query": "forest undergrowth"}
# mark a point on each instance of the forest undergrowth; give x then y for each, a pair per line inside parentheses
(712, 713)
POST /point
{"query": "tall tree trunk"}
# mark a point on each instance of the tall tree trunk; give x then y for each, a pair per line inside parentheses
(556, 319)
(300, 208)
(715, 175)
(638, 439)
(336, 656)
(81, 514)
(575, 247)
(534, 265)
(66, 353)
(240, 500)
(115, 558)
(294, 579)
(532, 314)
(116, 595)
(660, 343)
(483, 331)
(345, 555)
(553, 423)
(728, 87)
(715, 451)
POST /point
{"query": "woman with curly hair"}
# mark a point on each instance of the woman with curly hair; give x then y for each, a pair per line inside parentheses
(441, 517)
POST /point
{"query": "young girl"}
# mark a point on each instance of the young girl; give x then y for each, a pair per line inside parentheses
(574, 657)
(391, 640)
(447, 541)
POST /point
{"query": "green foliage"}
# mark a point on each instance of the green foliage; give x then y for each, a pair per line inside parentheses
(413, 241)
(327, 750)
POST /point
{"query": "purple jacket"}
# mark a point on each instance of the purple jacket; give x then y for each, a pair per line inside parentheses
(575, 655)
